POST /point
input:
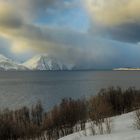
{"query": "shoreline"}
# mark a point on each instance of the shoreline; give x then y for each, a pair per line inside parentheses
(126, 69)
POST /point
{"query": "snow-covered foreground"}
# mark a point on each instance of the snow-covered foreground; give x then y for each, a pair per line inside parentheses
(122, 129)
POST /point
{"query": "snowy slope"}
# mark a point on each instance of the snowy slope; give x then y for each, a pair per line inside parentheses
(8, 64)
(123, 129)
(43, 62)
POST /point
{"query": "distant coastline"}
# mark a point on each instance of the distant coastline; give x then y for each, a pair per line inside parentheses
(126, 69)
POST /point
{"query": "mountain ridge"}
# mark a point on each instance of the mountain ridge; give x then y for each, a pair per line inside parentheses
(44, 62)
(8, 64)
(38, 62)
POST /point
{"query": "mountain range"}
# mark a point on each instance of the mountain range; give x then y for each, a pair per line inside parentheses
(39, 62)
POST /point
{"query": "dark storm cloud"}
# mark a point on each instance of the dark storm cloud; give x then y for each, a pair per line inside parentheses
(129, 32)
(116, 19)
(10, 20)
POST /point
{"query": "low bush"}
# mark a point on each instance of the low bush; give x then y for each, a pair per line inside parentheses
(69, 115)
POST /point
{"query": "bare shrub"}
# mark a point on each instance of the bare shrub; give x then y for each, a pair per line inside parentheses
(92, 126)
(99, 109)
(108, 125)
(70, 116)
(137, 119)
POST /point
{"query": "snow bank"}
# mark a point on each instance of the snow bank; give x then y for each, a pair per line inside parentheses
(122, 129)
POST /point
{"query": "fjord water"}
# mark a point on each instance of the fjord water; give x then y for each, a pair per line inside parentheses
(25, 88)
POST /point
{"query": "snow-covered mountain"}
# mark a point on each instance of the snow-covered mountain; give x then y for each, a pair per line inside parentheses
(44, 62)
(8, 64)
(39, 62)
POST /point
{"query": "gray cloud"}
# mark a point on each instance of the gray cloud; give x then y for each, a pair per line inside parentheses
(114, 19)
(9, 17)
(12, 22)
(31, 9)
(113, 12)
(25, 37)
(129, 32)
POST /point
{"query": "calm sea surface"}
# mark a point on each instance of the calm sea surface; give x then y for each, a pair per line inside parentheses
(25, 88)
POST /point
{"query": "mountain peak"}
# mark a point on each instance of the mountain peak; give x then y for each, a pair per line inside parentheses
(3, 57)
(38, 62)
(44, 62)
(8, 64)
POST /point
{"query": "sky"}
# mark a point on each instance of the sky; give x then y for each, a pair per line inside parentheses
(86, 33)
